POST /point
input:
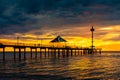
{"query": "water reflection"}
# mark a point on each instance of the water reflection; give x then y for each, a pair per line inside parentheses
(97, 67)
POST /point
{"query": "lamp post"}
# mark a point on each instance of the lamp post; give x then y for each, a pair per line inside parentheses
(41, 42)
(17, 40)
(92, 37)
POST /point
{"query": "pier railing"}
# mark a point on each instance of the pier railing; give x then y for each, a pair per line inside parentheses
(43, 45)
(37, 48)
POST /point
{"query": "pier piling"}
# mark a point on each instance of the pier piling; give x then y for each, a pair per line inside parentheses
(19, 54)
(47, 51)
(3, 53)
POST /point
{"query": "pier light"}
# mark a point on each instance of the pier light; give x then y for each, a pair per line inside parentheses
(41, 42)
(92, 29)
(92, 37)
(17, 40)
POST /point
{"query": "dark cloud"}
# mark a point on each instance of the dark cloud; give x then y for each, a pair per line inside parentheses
(21, 16)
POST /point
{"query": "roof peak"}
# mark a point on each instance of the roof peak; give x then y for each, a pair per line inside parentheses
(58, 39)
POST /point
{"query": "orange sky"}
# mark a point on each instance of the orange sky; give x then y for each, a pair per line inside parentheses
(106, 38)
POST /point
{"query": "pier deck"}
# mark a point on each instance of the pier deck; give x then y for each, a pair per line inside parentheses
(64, 51)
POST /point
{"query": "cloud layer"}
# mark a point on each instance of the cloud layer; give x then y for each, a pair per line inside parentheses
(55, 16)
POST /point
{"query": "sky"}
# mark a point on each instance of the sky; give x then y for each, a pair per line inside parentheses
(36, 20)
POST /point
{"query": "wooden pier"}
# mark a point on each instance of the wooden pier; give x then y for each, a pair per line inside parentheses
(47, 51)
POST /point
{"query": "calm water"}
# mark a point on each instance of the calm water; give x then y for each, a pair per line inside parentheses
(105, 66)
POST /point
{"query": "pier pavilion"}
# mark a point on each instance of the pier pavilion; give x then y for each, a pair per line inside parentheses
(58, 42)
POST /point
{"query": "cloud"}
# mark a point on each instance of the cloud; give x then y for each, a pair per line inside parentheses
(27, 16)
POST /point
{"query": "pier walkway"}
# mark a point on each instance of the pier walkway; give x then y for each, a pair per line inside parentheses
(46, 50)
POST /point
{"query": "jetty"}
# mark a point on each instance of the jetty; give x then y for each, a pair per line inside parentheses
(56, 51)
(40, 49)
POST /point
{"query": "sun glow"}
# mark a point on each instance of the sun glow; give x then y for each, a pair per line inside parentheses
(106, 38)
(77, 42)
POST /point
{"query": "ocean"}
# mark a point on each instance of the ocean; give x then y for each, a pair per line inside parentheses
(104, 66)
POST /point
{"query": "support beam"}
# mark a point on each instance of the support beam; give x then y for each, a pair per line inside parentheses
(48, 52)
(67, 52)
(40, 52)
(31, 53)
(24, 53)
(71, 52)
(14, 53)
(58, 52)
(75, 52)
(45, 53)
(19, 54)
(35, 53)
(3, 53)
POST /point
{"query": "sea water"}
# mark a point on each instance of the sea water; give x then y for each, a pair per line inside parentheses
(105, 66)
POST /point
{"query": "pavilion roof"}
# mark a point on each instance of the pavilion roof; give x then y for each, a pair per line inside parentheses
(58, 39)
